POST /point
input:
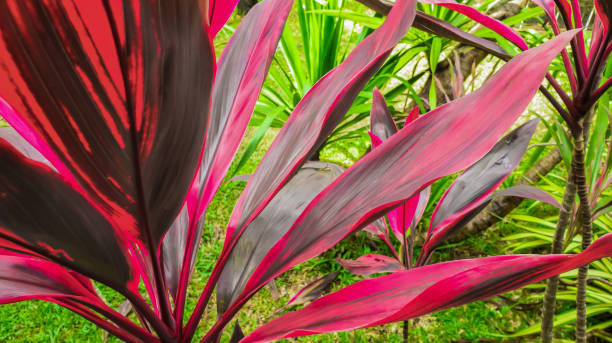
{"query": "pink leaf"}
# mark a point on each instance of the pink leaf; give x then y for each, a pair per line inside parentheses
(416, 292)
(445, 140)
(371, 264)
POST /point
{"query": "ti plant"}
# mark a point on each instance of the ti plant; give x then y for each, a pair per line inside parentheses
(126, 125)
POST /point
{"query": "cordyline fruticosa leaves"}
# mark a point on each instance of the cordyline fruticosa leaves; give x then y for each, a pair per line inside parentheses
(129, 123)
(408, 294)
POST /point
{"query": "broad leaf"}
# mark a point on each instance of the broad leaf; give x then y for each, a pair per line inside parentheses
(314, 118)
(472, 187)
(120, 92)
(429, 148)
(493, 24)
(419, 291)
(439, 27)
(271, 224)
(242, 70)
(23, 278)
(66, 228)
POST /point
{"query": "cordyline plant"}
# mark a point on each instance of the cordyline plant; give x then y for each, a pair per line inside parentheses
(127, 125)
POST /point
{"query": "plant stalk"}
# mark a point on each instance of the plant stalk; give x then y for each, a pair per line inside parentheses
(585, 215)
(548, 310)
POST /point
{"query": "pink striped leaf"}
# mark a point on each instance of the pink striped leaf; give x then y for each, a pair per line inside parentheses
(121, 101)
(371, 264)
(473, 187)
(604, 12)
(431, 147)
(382, 127)
(439, 27)
(317, 114)
(416, 292)
(66, 228)
(243, 67)
(271, 224)
(24, 277)
(491, 23)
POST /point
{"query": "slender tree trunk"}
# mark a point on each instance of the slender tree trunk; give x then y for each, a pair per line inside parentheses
(548, 311)
(585, 215)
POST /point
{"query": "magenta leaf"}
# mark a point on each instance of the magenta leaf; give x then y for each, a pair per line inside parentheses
(317, 114)
(66, 228)
(371, 264)
(382, 127)
(416, 292)
(429, 148)
(475, 184)
(271, 224)
(23, 278)
(242, 69)
(604, 12)
(120, 99)
(219, 12)
(493, 24)
(439, 27)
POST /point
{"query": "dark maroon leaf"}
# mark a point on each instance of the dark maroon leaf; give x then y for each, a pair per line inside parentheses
(439, 27)
(120, 92)
(317, 115)
(444, 141)
(416, 292)
(41, 213)
(313, 290)
(243, 67)
(381, 121)
(237, 334)
(472, 187)
(371, 264)
(272, 223)
(24, 277)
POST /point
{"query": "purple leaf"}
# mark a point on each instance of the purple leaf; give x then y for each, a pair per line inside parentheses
(242, 70)
(473, 187)
(371, 264)
(23, 278)
(447, 139)
(271, 224)
(122, 101)
(381, 121)
(493, 24)
(314, 118)
(66, 228)
(416, 292)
